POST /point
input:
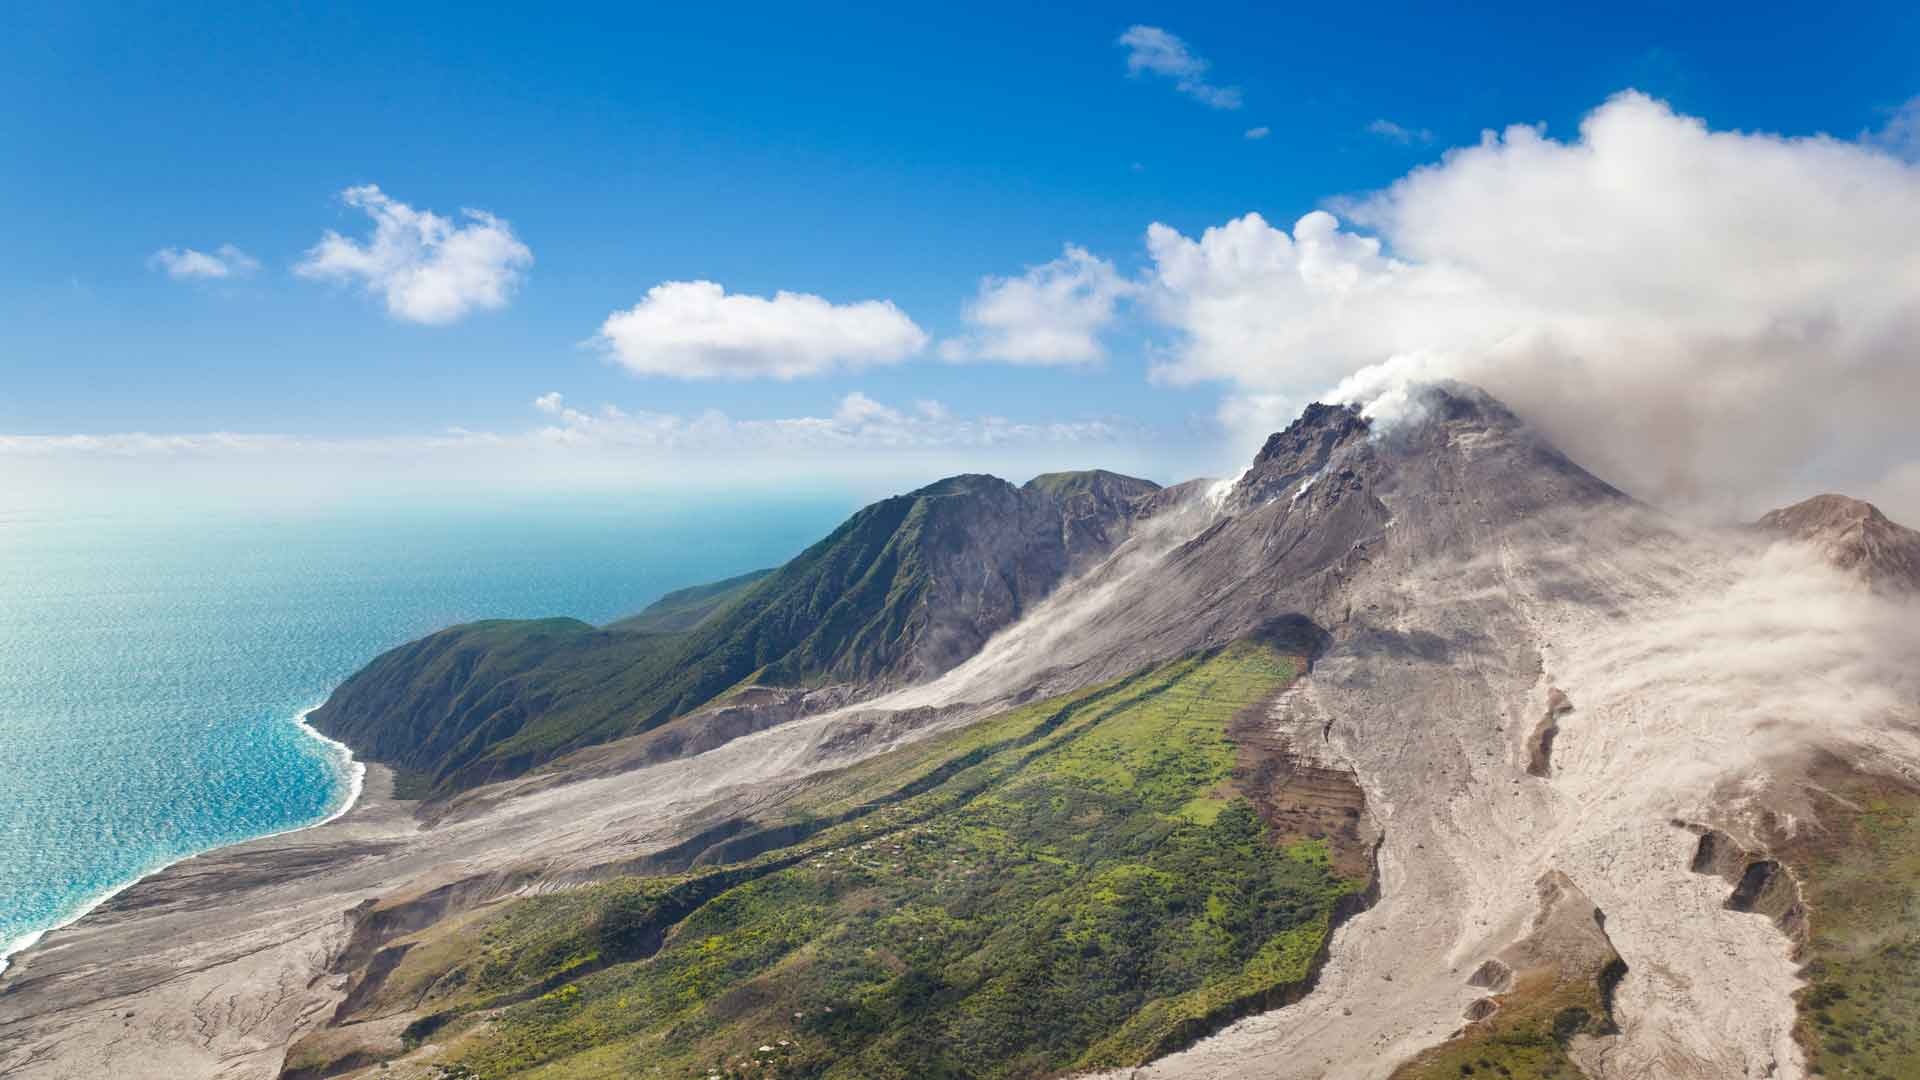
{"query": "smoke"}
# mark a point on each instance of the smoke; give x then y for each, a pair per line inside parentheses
(1778, 651)
(1703, 317)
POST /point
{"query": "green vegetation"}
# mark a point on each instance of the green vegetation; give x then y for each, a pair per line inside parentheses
(1860, 869)
(685, 609)
(1091, 482)
(1527, 1039)
(885, 594)
(1076, 883)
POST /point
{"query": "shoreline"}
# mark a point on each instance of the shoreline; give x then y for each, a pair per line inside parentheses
(351, 767)
(347, 767)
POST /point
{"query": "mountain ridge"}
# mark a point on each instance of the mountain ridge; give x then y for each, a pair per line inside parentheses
(902, 590)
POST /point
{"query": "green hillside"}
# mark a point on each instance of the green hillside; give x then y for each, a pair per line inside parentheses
(686, 609)
(1079, 882)
(902, 590)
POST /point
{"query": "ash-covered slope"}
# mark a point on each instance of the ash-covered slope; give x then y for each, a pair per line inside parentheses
(1530, 674)
(1281, 546)
(902, 591)
(1855, 536)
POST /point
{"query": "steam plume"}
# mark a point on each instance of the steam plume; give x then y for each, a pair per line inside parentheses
(1700, 316)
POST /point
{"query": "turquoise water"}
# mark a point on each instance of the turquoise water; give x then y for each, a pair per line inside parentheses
(152, 667)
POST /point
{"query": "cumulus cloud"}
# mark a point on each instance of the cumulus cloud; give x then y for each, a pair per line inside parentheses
(1051, 314)
(1259, 132)
(1393, 132)
(427, 268)
(1155, 51)
(697, 330)
(1696, 314)
(188, 264)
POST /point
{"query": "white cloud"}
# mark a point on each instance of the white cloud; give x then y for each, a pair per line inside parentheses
(1393, 132)
(1151, 49)
(697, 330)
(857, 409)
(426, 267)
(1051, 314)
(1696, 314)
(1258, 132)
(857, 422)
(186, 264)
(855, 445)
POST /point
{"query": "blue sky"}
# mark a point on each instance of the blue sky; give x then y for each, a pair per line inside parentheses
(856, 155)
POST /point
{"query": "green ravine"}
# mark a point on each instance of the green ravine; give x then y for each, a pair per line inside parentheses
(1073, 884)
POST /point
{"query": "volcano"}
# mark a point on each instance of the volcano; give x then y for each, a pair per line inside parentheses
(1413, 750)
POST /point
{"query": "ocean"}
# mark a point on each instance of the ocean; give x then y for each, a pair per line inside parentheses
(154, 664)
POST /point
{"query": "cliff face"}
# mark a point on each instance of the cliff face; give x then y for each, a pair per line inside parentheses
(902, 591)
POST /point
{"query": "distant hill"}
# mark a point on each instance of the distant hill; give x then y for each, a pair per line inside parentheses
(903, 590)
(686, 609)
(1855, 536)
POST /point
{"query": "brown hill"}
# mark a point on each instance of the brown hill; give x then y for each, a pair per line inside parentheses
(1856, 537)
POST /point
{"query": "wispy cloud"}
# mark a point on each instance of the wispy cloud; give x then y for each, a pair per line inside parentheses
(426, 267)
(1051, 314)
(1153, 50)
(1901, 133)
(1393, 132)
(188, 264)
(1259, 132)
(856, 421)
(697, 330)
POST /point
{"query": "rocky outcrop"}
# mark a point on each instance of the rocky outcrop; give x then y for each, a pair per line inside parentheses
(1540, 743)
(1856, 537)
(1293, 459)
(1551, 995)
(1569, 936)
(1761, 883)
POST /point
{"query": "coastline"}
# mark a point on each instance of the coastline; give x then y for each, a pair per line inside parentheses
(349, 769)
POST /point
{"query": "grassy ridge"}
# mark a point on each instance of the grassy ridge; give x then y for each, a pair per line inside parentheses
(1073, 884)
(685, 609)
